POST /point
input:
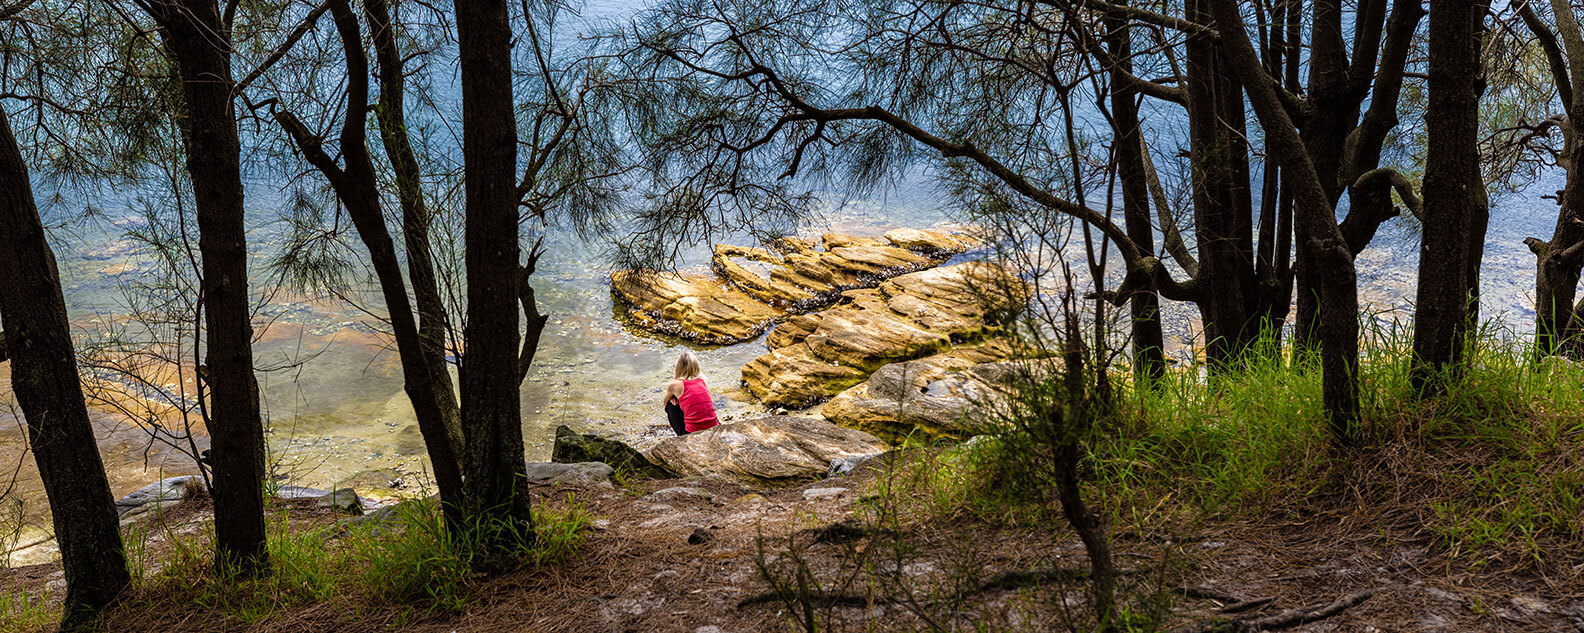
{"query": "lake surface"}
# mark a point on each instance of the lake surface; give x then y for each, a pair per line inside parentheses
(341, 418)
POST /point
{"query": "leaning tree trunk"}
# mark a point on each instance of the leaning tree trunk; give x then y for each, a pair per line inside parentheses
(427, 385)
(197, 41)
(1149, 356)
(1338, 325)
(491, 405)
(44, 379)
(1451, 204)
(433, 320)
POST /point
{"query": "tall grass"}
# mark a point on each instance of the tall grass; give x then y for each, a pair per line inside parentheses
(1494, 462)
(1497, 460)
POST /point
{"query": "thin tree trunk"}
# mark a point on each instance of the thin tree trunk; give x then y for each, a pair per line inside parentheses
(491, 405)
(358, 190)
(1450, 200)
(45, 381)
(1558, 325)
(1149, 356)
(196, 39)
(433, 320)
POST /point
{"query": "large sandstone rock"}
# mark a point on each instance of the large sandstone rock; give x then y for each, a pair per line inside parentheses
(572, 447)
(816, 356)
(691, 306)
(930, 398)
(768, 450)
(757, 286)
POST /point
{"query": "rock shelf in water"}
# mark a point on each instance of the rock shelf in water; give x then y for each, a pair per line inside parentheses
(815, 356)
(758, 286)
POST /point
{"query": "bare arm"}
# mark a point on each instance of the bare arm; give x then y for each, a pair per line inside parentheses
(672, 391)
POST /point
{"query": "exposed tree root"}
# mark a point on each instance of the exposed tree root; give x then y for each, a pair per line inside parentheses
(1284, 620)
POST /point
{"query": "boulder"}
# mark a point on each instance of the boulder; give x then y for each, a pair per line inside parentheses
(572, 447)
(758, 286)
(816, 356)
(769, 450)
(550, 473)
(930, 398)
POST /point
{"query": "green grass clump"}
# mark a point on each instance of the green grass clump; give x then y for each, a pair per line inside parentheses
(406, 569)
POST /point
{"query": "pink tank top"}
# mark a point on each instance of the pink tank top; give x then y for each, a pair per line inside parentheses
(698, 409)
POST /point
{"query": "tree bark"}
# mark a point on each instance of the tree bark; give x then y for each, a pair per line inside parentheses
(1558, 322)
(1338, 325)
(357, 188)
(491, 405)
(195, 38)
(1229, 306)
(45, 381)
(1149, 356)
(1453, 219)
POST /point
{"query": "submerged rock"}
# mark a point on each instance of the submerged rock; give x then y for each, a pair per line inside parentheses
(758, 286)
(572, 447)
(930, 398)
(766, 450)
(816, 356)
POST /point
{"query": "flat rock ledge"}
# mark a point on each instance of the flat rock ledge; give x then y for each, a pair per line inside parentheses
(767, 451)
(754, 287)
(816, 356)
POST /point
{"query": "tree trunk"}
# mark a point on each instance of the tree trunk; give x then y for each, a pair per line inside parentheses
(1222, 206)
(45, 381)
(1338, 325)
(1451, 204)
(433, 320)
(356, 186)
(198, 42)
(1557, 318)
(1149, 356)
(491, 405)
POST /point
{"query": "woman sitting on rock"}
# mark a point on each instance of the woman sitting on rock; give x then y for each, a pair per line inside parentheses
(687, 400)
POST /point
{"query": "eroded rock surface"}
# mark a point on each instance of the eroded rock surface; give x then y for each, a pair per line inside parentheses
(757, 286)
(815, 356)
(769, 450)
(930, 398)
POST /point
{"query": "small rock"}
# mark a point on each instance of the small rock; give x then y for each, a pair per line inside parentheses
(700, 536)
(846, 465)
(823, 493)
(341, 499)
(708, 628)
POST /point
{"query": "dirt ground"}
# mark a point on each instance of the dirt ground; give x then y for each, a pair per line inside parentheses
(684, 556)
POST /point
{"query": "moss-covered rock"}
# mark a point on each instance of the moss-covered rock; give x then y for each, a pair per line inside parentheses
(572, 447)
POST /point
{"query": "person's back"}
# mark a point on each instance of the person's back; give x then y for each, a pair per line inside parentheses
(698, 408)
(688, 403)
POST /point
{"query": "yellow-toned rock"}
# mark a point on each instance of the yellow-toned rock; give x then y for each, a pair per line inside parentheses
(695, 307)
(816, 356)
(929, 398)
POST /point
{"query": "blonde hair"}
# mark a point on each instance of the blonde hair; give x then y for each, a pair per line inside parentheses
(687, 367)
